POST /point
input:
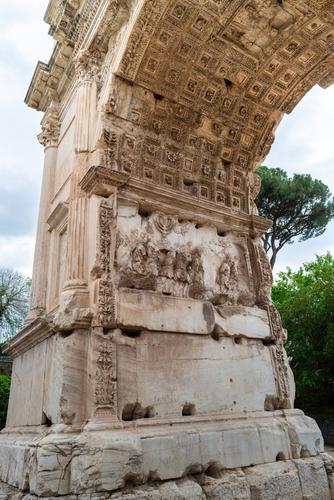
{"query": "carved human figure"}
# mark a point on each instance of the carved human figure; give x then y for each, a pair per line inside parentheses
(152, 263)
(196, 275)
(138, 259)
(167, 259)
(182, 261)
(196, 271)
(228, 275)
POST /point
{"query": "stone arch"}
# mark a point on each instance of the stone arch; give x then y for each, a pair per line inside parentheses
(207, 83)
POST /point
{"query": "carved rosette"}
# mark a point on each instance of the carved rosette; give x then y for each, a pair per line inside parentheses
(106, 302)
(49, 135)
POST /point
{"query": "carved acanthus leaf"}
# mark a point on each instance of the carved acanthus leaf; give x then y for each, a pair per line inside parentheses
(50, 126)
(87, 65)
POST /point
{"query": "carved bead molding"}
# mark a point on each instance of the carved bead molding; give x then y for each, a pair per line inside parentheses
(50, 126)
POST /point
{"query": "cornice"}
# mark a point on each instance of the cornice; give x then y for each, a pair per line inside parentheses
(103, 181)
(76, 25)
(58, 215)
(32, 334)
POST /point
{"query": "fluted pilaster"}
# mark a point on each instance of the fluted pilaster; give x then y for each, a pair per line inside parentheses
(76, 250)
(87, 69)
(49, 139)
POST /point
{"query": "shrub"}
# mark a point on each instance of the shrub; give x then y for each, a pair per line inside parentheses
(4, 397)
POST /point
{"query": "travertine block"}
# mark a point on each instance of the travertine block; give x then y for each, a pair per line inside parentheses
(251, 322)
(275, 480)
(157, 371)
(313, 478)
(228, 486)
(150, 311)
(26, 401)
(304, 436)
(104, 461)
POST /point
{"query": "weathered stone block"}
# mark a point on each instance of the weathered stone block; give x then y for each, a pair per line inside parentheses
(251, 322)
(229, 486)
(304, 435)
(226, 374)
(150, 311)
(313, 478)
(275, 480)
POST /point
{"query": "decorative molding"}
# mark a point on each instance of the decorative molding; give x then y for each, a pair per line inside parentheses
(50, 126)
(32, 334)
(74, 24)
(106, 314)
(87, 65)
(105, 376)
(102, 181)
(58, 215)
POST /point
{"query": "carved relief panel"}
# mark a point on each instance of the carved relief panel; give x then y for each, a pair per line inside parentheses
(159, 253)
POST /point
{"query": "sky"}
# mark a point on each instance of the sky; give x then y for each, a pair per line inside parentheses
(304, 141)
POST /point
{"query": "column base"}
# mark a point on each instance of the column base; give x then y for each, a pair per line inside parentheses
(275, 454)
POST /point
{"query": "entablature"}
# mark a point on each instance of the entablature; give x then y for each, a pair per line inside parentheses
(75, 25)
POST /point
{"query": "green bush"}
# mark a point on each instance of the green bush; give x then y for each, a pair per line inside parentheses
(305, 299)
(4, 397)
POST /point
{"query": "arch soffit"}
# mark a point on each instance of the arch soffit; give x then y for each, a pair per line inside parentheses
(227, 69)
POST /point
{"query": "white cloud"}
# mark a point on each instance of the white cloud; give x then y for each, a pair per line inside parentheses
(17, 253)
(304, 140)
(304, 144)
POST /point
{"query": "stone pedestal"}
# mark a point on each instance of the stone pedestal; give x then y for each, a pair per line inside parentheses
(152, 365)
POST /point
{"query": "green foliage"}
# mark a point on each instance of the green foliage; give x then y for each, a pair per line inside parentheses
(305, 300)
(4, 397)
(299, 207)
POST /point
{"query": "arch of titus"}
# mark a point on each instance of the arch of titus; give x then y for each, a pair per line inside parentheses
(152, 363)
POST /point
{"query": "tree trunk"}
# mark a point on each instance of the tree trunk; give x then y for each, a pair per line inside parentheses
(273, 259)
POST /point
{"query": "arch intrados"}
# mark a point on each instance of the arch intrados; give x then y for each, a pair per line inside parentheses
(232, 68)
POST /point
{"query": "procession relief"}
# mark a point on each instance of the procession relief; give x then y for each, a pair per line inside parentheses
(161, 254)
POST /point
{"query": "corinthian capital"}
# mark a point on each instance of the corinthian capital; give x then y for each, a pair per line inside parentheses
(50, 126)
(87, 65)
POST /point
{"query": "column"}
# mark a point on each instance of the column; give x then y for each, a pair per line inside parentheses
(87, 70)
(49, 139)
